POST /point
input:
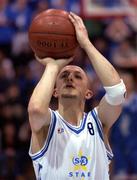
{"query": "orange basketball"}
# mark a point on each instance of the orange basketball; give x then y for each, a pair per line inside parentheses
(51, 34)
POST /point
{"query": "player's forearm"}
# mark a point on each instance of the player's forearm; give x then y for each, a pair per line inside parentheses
(42, 93)
(105, 71)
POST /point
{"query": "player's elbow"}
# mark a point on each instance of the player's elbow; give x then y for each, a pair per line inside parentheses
(32, 108)
(35, 108)
(35, 118)
(38, 117)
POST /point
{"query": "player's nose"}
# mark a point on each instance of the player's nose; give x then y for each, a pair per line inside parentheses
(70, 77)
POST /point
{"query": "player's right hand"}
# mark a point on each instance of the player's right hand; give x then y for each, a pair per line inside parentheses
(60, 63)
(81, 31)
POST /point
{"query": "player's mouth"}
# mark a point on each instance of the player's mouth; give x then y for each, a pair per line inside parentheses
(69, 86)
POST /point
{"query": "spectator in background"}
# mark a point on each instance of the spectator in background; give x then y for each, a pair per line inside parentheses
(4, 81)
(102, 45)
(117, 30)
(113, 3)
(107, 3)
(15, 136)
(8, 155)
(133, 2)
(14, 164)
(74, 6)
(124, 133)
(71, 5)
(59, 4)
(6, 29)
(26, 82)
(21, 15)
(97, 2)
(35, 70)
(42, 5)
(132, 19)
(7, 65)
(125, 56)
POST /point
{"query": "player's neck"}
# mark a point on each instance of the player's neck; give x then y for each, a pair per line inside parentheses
(72, 113)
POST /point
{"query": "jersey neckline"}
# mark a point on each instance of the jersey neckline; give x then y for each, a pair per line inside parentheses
(76, 129)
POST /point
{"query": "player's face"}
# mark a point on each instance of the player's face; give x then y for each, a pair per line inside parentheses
(72, 82)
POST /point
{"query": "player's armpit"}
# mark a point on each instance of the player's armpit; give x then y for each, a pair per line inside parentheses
(39, 119)
(38, 139)
(108, 114)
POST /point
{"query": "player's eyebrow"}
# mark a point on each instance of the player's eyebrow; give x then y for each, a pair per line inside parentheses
(66, 71)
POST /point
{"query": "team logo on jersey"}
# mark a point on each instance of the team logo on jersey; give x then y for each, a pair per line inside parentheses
(79, 166)
(60, 130)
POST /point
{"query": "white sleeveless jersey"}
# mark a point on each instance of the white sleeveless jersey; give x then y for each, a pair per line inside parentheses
(72, 152)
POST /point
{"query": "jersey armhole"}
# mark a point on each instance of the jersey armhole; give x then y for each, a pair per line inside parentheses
(42, 151)
(94, 113)
(109, 152)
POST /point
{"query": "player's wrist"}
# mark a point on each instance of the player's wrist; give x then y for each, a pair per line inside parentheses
(53, 66)
(86, 44)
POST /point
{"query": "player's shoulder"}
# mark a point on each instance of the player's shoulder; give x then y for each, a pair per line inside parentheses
(94, 110)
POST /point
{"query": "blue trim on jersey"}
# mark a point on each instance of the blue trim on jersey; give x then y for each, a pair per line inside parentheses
(100, 130)
(77, 130)
(51, 130)
(98, 124)
(109, 155)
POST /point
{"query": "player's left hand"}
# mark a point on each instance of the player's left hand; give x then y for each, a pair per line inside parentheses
(60, 63)
(81, 31)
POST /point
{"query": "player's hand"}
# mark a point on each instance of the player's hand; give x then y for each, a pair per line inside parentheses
(81, 31)
(60, 63)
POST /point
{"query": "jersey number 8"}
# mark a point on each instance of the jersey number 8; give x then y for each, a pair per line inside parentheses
(90, 128)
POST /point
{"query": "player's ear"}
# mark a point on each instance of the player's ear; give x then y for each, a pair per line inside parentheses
(55, 94)
(88, 94)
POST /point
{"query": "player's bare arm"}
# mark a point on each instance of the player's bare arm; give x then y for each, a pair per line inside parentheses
(109, 77)
(38, 108)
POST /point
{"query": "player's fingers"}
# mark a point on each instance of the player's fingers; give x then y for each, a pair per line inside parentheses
(75, 22)
(72, 19)
(71, 59)
(42, 59)
(76, 18)
(74, 15)
(37, 58)
(68, 60)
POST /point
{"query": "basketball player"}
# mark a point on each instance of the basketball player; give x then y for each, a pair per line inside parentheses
(69, 143)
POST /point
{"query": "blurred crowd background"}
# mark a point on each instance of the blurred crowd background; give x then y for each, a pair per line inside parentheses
(115, 37)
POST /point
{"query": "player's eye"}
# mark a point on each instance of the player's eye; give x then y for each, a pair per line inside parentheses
(63, 76)
(78, 76)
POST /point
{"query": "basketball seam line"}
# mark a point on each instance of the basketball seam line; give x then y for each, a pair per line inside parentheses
(51, 33)
(56, 16)
(55, 52)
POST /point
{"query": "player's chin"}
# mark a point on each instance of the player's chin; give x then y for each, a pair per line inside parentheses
(69, 96)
